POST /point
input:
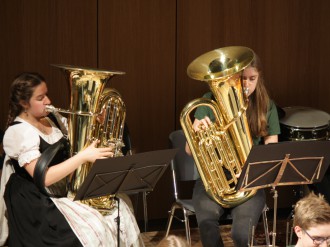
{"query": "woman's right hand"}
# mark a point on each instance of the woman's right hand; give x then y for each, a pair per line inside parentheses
(92, 153)
(197, 126)
(201, 124)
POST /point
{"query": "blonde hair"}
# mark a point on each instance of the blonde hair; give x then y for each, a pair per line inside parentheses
(310, 211)
(172, 241)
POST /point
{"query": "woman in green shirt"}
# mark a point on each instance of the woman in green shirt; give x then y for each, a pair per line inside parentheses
(264, 127)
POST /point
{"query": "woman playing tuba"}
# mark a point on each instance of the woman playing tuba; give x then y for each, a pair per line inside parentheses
(230, 69)
(34, 217)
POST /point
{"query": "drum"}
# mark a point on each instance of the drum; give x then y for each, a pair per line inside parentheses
(304, 123)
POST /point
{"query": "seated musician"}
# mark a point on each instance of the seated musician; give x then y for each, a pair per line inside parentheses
(264, 125)
(28, 215)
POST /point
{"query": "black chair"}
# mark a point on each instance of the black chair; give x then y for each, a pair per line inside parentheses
(127, 149)
(184, 170)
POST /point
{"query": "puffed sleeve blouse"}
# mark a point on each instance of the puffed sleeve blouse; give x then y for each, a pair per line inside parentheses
(22, 140)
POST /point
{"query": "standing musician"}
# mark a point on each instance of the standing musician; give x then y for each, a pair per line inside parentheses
(31, 217)
(264, 126)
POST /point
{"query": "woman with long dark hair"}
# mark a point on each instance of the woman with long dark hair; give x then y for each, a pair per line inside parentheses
(264, 125)
(31, 215)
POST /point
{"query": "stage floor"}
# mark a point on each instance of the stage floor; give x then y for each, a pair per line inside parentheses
(152, 238)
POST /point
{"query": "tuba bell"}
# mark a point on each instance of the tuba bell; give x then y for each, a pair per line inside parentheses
(221, 150)
(95, 112)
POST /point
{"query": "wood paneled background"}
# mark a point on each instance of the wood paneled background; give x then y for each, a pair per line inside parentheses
(153, 41)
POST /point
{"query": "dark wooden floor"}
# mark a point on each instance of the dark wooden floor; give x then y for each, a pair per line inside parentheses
(157, 229)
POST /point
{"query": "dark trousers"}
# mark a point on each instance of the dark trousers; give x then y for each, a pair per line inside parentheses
(208, 213)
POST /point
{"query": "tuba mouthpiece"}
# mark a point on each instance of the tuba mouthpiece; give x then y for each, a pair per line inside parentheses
(51, 109)
(246, 91)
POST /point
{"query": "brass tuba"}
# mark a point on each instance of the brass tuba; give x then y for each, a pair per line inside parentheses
(221, 150)
(95, 112)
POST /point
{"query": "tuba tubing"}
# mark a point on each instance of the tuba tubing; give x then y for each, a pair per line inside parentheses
(95, 112)
(53, 109)
(221, 150)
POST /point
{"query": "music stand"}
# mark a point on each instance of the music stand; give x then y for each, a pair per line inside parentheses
(133, 173)
(284, 163)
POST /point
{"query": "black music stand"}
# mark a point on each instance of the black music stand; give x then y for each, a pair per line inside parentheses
(133, 173)
(284, 163)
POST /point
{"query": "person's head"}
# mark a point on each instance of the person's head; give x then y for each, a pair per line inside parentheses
(253, 80)
(28, 94)
(172, 241)
(311, 221)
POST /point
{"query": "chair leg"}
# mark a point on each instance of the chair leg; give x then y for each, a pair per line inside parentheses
(169, 223)
(187, 226)
(185, 220)
(265, 221)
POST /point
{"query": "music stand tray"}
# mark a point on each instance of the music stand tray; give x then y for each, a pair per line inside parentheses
(132, 173)
(284, 163)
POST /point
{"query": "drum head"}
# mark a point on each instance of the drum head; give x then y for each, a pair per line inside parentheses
(304, 123)
(304, 117)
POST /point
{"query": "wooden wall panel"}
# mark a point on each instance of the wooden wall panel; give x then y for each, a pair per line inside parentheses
(294, 51)
(154, 42)
(290, 37)
(37, 33)
(138, 37)
(322, 38)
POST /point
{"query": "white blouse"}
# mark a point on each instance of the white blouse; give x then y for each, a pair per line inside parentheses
(22, 141)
